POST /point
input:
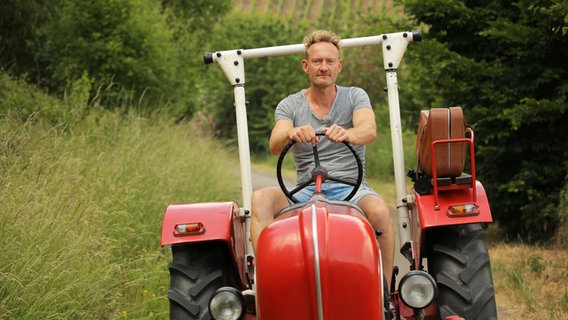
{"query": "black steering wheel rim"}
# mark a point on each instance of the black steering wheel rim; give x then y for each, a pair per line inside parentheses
(290, 194)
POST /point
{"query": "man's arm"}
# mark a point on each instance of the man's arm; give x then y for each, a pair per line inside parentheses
(363, 132)
(284, 132)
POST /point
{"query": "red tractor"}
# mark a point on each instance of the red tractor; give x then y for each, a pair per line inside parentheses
(320, 259)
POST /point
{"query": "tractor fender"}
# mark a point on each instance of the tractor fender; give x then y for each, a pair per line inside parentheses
(316, 262)
(426, 214)
(212, 221)
(432, 216)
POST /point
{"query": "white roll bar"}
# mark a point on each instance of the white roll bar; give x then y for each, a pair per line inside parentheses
(393, 45)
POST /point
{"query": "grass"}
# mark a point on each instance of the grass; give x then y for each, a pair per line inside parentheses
(82, 206)
(530, 282)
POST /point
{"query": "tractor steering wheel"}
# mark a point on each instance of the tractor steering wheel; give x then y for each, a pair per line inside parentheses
(319, 171)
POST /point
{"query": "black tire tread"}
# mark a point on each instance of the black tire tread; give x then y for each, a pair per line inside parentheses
(196, 272)
(459, 261)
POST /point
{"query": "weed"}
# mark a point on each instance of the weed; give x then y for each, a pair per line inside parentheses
(536, 263)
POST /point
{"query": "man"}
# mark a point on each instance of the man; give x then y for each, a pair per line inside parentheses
(344, 114)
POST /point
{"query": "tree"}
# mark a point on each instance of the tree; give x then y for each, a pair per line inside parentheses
(18, 25)
(506, 64)
(131, 52)
(124, 46)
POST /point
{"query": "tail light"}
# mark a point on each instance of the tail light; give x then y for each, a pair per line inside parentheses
(189, 229)
(463, 210)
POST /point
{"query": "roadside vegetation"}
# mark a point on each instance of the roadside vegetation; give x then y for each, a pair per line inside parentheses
(108, 118)
(82, 201)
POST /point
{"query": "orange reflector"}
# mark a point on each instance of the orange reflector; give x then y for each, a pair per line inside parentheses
(463, 210)
(189, 229)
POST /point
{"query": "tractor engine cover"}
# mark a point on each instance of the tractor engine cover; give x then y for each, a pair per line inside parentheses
(314, 264)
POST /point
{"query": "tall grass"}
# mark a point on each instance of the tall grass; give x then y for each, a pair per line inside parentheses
(81, 209)
(530, 282)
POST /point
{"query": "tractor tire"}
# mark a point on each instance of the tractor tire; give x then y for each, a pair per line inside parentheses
(196, 272)
(458, 259)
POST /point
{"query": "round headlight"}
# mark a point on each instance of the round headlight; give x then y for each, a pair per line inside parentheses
(417, 289)
(227, 304)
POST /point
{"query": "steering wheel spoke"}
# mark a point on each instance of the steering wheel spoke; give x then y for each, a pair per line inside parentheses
(300, 187)
(343, 181)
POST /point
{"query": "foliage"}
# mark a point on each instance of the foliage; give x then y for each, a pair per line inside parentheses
(117, 43)
(133, 52)
(191, 22)
(82, 205)
(20, 21)
(195, 16)
(505, 63)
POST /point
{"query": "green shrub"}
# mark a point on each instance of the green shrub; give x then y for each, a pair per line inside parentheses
(124, 46)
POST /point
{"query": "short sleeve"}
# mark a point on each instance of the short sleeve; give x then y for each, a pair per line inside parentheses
(360, 99)
(284, 110)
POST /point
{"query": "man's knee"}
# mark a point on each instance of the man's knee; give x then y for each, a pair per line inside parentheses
(376, 210)
(266, 201)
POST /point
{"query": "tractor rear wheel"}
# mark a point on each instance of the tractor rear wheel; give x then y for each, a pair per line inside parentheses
(458, 259)
(196, 272)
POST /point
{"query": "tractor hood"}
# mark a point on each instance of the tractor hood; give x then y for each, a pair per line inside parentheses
(319, 261)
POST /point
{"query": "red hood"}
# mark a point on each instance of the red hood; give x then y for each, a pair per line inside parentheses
(346, 268)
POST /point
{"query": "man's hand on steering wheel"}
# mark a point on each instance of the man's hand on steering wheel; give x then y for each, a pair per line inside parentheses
(336, 134)
(307, 134)
(303, 134)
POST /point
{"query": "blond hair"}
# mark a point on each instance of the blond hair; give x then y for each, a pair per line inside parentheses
(321, 36)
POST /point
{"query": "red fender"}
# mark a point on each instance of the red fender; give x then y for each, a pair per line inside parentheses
(349, 266)
(432, 216)
(433, 210)
(212, 221)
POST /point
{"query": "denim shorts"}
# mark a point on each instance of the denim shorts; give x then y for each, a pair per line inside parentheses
(336, 191)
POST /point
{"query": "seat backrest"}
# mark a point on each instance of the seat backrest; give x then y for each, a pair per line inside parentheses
(441, 124)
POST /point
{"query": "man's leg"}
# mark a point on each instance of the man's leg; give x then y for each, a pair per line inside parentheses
(266, 203)
(378, 214)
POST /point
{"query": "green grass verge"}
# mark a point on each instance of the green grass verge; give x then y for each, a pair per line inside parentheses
(82, 207)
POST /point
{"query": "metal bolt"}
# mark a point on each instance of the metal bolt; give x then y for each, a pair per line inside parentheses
(390, 64)
(218, 54)
(237, 80)
(385, 37)
(236, 63)
(388, 47)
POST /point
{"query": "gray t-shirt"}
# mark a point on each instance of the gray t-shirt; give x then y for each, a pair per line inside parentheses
(335, 157)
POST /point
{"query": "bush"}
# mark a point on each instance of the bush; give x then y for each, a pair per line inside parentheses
(124, 46)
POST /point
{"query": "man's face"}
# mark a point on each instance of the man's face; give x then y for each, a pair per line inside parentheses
(323, 64)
